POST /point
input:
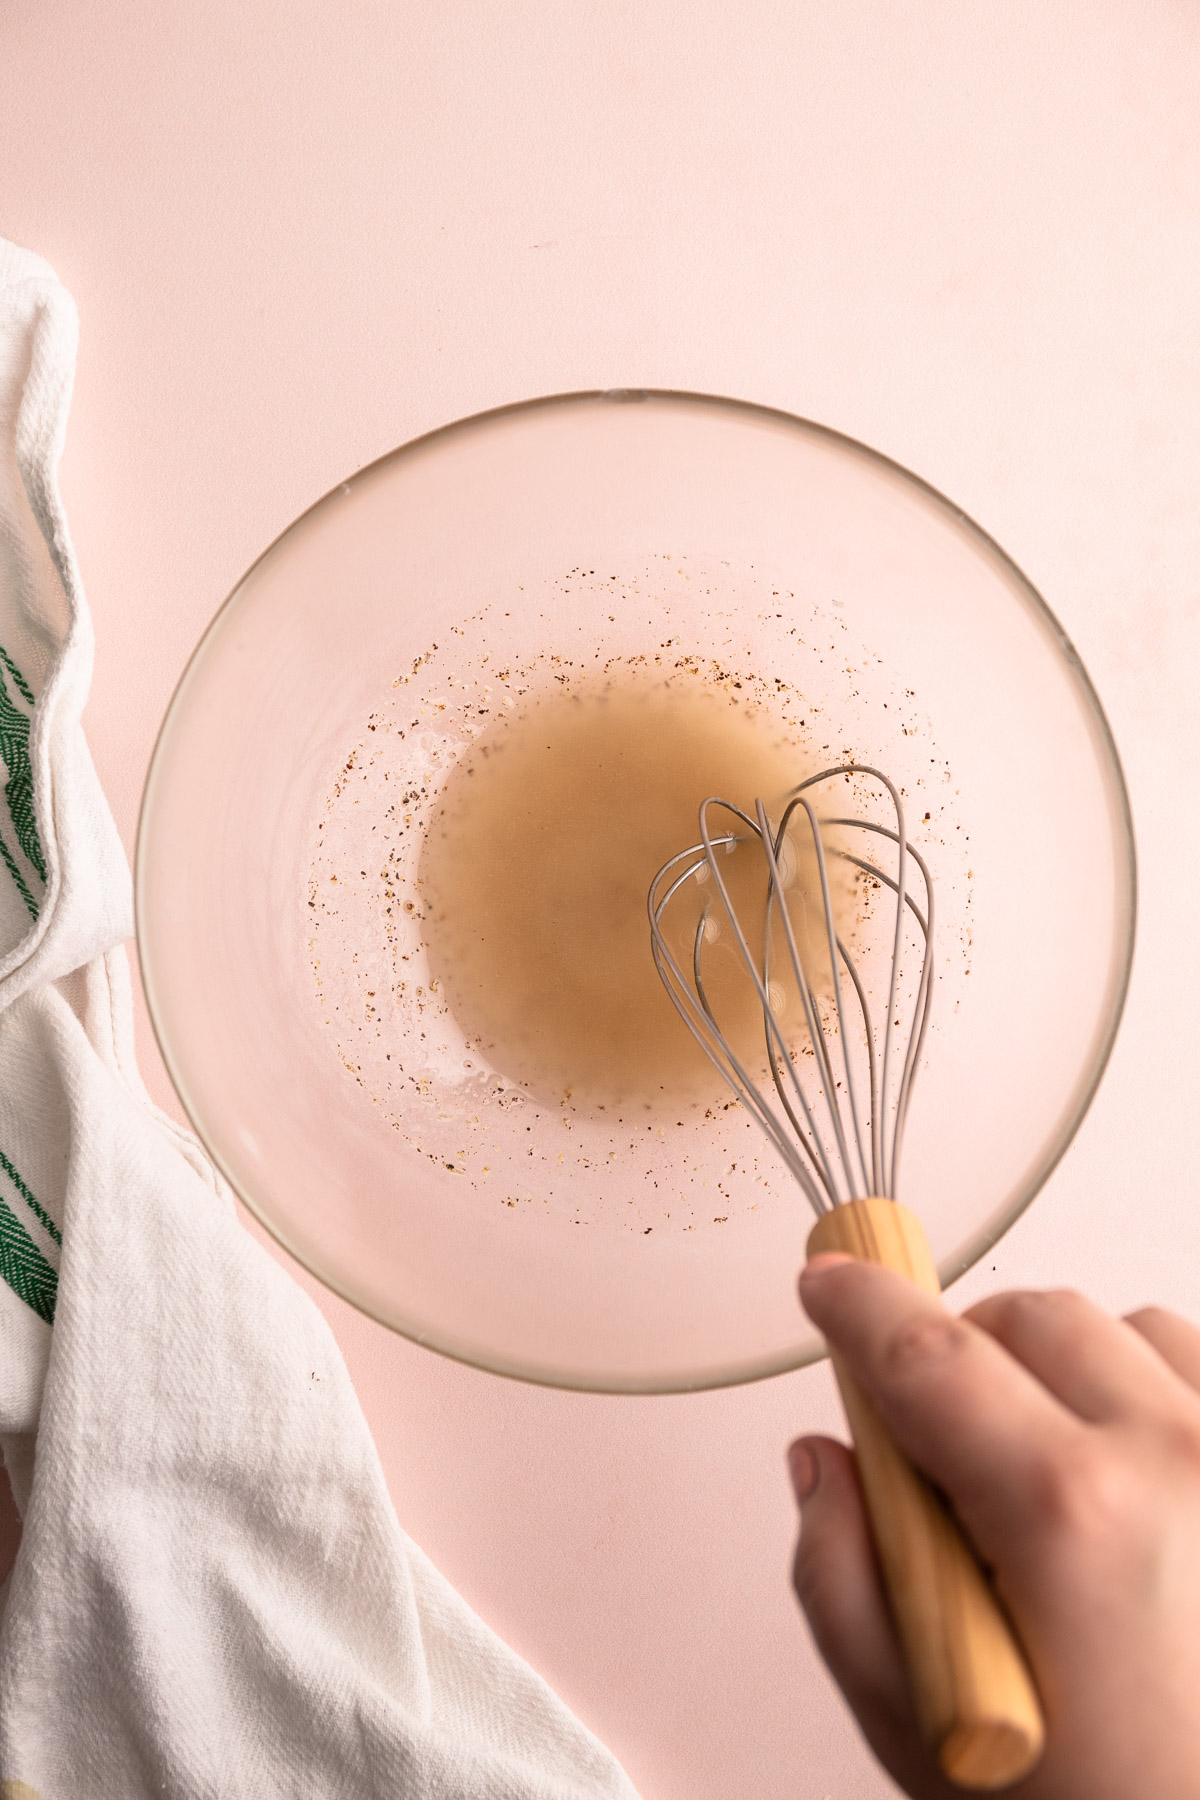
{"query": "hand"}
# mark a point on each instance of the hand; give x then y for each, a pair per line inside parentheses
(1068, 1444)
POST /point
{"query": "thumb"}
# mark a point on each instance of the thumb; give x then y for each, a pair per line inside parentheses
(838, 1584)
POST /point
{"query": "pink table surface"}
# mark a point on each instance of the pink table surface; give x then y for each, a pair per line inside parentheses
(300, 234)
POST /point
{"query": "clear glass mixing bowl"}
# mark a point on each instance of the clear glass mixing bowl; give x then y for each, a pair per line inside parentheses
(624, 524)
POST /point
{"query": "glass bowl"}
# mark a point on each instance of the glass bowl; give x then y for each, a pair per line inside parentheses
(685, 534)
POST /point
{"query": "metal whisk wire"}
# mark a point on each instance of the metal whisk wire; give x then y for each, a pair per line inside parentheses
(965, 1665)
(833, 1158)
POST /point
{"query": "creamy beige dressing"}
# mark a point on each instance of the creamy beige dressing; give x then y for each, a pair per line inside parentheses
(535, 872)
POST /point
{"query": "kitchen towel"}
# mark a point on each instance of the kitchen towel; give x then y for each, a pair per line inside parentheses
(213, 1597)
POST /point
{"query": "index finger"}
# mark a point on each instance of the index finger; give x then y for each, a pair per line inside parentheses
(979, 1425)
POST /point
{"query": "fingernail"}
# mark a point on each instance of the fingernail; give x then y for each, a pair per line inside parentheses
(804, 1468)
(828, 1259)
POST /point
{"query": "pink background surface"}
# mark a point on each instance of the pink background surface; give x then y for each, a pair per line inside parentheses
(299, 235)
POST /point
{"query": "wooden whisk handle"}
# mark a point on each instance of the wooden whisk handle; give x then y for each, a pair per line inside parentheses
(974, 1695)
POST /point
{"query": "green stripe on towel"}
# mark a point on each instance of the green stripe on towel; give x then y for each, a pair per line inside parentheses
(24, 1267)
(18, 787)
(35, 1206)
(21, 885)
(23, 686)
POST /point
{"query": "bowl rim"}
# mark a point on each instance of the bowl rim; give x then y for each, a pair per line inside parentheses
(1126, 872)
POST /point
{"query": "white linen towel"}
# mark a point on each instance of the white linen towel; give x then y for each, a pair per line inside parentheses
(212, 1597)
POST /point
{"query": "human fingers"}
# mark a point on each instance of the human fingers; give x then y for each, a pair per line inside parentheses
(1174, 1339)
(837, 1580)
(1090, 1361)
(981, 1426)
(838, 1584)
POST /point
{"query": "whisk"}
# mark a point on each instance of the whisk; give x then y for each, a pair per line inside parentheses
(833, 1099)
